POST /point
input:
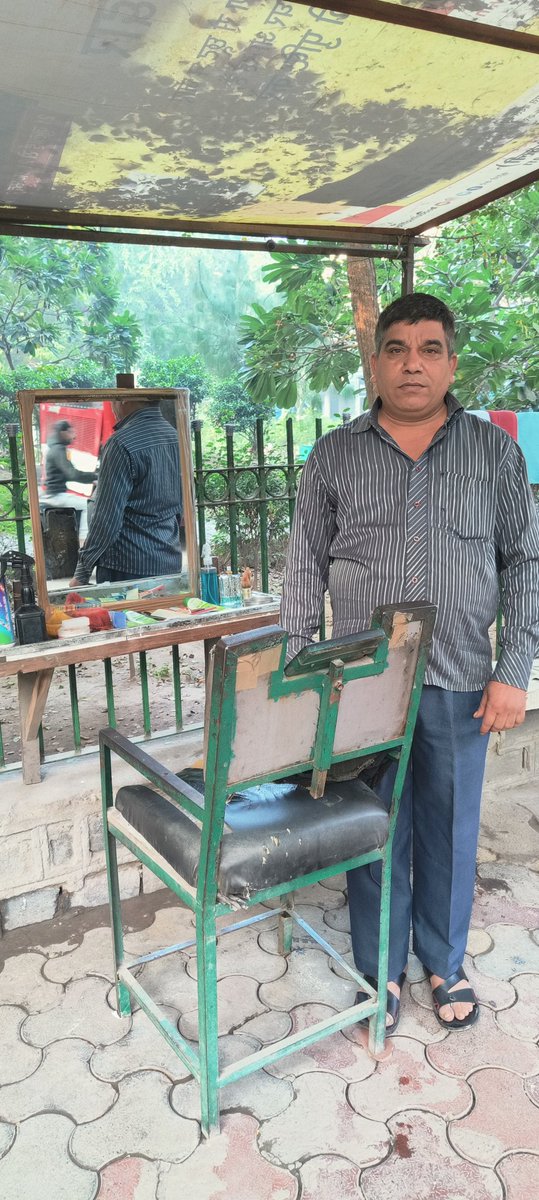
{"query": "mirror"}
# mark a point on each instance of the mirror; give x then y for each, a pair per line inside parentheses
(65, 434)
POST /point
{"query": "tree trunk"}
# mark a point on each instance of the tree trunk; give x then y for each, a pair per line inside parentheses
(362, 280)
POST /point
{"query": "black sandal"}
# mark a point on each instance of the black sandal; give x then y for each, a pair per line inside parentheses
(393, 1002)
(442, 994)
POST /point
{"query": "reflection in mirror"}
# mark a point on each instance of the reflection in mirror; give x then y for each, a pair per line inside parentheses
(110, 517)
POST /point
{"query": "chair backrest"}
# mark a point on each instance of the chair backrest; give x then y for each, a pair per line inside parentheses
(337, 700)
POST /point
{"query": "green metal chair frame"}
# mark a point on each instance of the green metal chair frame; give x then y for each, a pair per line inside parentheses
(325, 669)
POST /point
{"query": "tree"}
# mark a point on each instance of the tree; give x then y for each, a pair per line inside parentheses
(59, 304)
(483, 265)
(185, 372)
(231, 403)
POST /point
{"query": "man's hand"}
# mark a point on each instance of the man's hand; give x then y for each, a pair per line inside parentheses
(502, 707)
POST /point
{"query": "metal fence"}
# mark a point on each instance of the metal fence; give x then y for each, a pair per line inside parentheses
(229, 492)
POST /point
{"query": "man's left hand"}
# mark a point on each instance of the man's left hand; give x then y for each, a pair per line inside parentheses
(502, 707)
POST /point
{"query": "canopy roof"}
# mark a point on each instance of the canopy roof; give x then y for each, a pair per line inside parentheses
(257, 116)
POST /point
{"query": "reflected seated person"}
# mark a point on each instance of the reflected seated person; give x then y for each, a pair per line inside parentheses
(134, 528)
(59, 471)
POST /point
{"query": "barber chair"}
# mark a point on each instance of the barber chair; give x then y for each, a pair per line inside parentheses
(265, 818)
(60, 529)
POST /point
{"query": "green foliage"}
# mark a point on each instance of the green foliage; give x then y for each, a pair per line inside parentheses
(308, 340)
(58, 303)
(483, 265)
(248, 519)
(187, 372)
(231, 403)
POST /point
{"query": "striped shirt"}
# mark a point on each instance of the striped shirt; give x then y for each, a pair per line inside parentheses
(373, 526)
(134, 528)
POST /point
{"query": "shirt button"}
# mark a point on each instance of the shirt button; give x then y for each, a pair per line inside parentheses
(417, 503)
(415, 539)
(414, 579)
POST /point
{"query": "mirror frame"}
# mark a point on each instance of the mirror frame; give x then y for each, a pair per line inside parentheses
(28, 400)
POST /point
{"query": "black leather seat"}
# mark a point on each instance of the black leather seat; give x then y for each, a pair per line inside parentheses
(273, 832)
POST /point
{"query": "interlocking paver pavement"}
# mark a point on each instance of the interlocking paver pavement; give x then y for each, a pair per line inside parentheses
(97, 1108)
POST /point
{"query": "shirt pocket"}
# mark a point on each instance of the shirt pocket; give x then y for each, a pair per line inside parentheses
(466, 505)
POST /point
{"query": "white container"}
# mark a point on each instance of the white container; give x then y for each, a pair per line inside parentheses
(74, 627)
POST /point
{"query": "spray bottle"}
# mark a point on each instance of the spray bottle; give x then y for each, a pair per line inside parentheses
(7, 636)
(209, 582)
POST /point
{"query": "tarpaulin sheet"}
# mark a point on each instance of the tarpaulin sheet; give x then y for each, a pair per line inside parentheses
(251, 114)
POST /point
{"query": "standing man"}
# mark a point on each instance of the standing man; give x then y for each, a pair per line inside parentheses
(417, 500)
(59, 471)
(134, 529)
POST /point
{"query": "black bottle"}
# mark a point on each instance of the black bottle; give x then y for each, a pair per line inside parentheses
(29, 617)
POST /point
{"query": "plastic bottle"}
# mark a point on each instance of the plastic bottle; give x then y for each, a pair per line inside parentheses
(7, 636)
(209, 582)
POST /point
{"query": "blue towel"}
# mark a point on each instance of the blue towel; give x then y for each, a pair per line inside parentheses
(528, 440)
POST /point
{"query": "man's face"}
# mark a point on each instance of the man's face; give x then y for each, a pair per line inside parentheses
(413, 370)
(68, 435)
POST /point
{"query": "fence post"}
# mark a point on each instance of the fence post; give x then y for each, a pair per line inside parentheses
(196, 426)
(263, 506)
(16, 477)
(232, 507)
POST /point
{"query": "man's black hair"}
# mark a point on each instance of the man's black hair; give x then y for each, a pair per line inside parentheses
(419, 306)
(62, 426)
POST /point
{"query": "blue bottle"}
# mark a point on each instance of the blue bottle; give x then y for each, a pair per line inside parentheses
(7, 636)
(209, 582)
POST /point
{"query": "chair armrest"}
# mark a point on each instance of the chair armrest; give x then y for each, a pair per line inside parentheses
(170, 784)
(349, 648)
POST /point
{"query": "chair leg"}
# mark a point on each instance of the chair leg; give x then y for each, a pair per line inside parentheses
(123, 998)
(377, 1023)
(207, 1021)
(284, 930)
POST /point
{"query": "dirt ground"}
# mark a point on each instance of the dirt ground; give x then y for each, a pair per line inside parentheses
(57, 728)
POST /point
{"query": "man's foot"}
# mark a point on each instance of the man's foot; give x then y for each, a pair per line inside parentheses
(452, 1012)
(393, 1001)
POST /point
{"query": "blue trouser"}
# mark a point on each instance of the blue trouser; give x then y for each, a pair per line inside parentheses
(437, 831)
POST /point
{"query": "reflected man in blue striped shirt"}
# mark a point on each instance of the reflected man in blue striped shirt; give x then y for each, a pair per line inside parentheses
(417, 500)
(134, 528)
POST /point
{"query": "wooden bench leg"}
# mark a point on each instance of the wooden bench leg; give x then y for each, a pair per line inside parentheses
(33, 692)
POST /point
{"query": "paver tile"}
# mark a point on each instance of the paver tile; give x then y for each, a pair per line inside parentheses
(237, 1001)
(240, 954)
(334, 1053)
(479, 942)
(171, 926)
(142, 1048)
(308, 978)
(315, 917)
(229, 1167)
(486, 1045)
(21, 982)
(423, 1166)
(338, 918)
(268, 1026)
(17, 1060)
(140, 1123)
(520, 1174)
(62, 1083)
(408, 1081)
(38, 1166)
(319, 1121)
(129, 1179)
(317, 893)
(492, 1128)
(83, 1012)
(335, 883)
(261, 1094)
(167, 982)
(507, 888)
(327, 1176)
(7, 1137)
(522, 1020)
(513, 952)
(92, 957)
